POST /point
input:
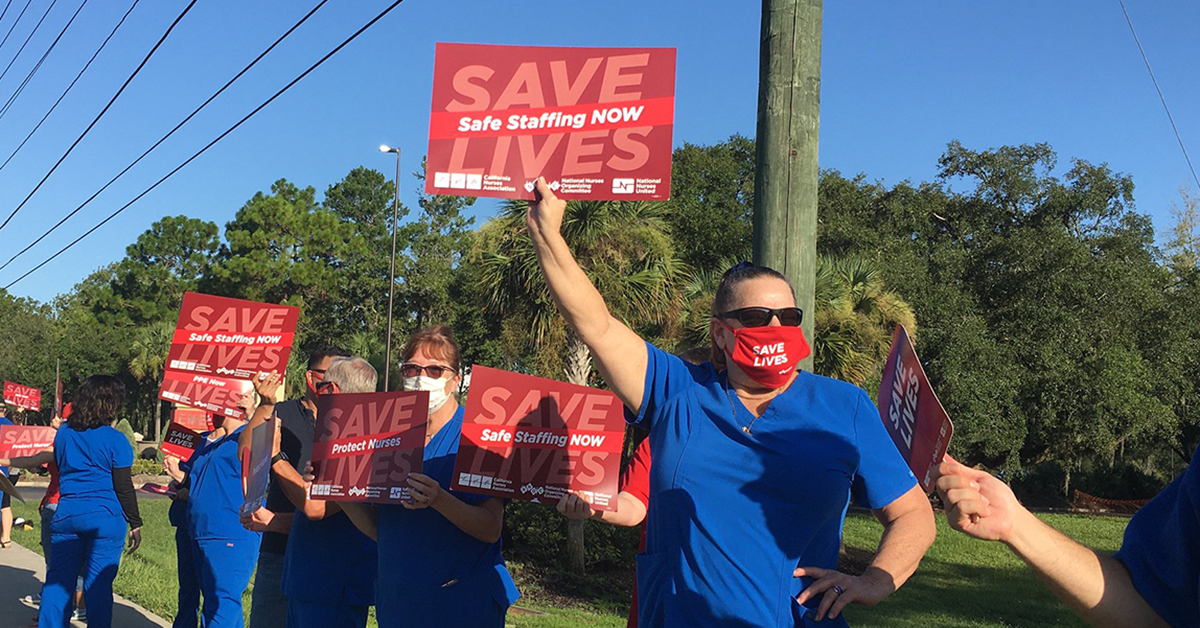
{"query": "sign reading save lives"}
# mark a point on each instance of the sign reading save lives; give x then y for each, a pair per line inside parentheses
(533, 439)
(220, 344)
(366, 444)
(22, 396)
(595, 122)
(18, 441)
(911, 412)
(179, 441)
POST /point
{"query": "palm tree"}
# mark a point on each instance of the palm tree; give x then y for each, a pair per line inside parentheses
(150, 349)
(626, 251)
(855, 317)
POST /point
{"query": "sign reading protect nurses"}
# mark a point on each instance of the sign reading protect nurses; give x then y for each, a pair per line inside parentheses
(911, 412)
(366, 444)
(595, 122)
(534, 439)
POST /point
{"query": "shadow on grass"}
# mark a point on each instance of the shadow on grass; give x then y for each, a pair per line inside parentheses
(953, 594)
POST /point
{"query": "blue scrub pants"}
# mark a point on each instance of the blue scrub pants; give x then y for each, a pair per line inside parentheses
(189, 581)
(268, 604)
(91, 542)
(317, 615)
(224, 568)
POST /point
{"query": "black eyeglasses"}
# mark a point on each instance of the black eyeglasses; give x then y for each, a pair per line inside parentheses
(409, 369)
(761, 316)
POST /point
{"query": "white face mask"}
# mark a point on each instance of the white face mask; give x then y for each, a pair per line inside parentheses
(436, 388)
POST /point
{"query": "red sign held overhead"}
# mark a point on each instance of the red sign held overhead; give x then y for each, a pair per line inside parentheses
(366, 445)
(24, 440)
(220, 344)
(21, 396)
(595, 122)
(533, 439)
(911, 412)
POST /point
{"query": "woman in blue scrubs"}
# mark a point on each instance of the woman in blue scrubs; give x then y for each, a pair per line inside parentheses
(97, 500)
(223, 551)
(755, 462)
(440, 563)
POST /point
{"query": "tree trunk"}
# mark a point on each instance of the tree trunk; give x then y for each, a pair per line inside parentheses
(578, 368)
(158, 415)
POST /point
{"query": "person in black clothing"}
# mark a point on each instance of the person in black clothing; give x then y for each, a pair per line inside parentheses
(268, 604)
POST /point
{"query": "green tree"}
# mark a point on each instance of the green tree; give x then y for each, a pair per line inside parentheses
(712, 201)
(625, 249)
(150, 349)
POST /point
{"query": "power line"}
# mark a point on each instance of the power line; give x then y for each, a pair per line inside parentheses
(1171, 118)
(38, 65)
(101, 114)
(27, 39)
(5, 11)
(231, 129)
(15, 22)
(169, 134)
(68, 89)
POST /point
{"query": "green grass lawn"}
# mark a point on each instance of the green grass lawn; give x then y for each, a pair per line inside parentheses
(961, 582)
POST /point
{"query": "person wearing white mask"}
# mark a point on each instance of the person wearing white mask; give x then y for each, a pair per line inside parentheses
(439, 556)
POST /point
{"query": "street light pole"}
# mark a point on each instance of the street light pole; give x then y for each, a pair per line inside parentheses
(387, 360)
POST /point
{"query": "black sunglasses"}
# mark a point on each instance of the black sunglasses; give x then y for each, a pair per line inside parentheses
(761, 316)
(409, 369)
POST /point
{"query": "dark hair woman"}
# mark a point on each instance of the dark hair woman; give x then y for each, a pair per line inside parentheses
(96, 502)
(754, 464)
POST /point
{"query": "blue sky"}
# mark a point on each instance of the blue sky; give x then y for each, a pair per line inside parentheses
(900, 80)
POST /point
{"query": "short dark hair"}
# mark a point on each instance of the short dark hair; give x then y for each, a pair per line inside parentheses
(328, 351)
(740, 272)
(97, 402)
(439, 341)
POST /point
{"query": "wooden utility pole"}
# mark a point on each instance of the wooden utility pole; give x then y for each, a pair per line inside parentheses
(789, 120)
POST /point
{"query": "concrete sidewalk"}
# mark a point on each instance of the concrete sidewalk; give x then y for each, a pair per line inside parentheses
(21, 574)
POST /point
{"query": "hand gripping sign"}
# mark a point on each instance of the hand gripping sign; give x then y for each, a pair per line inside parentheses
(596, 122)
(911, 412)
(366, 445)
(220, 344)
(533, 439)
(21, 396)
(18, 441)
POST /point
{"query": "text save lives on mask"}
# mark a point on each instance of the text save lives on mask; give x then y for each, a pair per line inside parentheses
(768, 355)
(435, 387)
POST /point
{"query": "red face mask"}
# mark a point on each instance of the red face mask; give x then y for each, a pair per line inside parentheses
(768, 355)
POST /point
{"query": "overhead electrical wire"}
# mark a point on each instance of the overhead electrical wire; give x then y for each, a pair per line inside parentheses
(27, 39)
(5, 11)
(231, 129)
(15, 22)
(38, 65)
(168, 134)
(1162, 98)
(101, 114)
(68, 89)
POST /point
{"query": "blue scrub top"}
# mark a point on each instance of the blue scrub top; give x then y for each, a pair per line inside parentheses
(4, 421)
(329, 561)
(430, 568)
(215, 491)
(732, 514)
(85, 464)
(1162, 549)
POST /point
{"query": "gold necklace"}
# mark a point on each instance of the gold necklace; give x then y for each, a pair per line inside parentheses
(733, 411)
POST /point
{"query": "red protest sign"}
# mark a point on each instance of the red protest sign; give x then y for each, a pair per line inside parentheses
(24, 440)
(533, 439)
(231, 337)
(193, 419)
(911, 412)
(21, 396)
(366, 444)
(180, 441)
(596, 122)
(215, 394)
